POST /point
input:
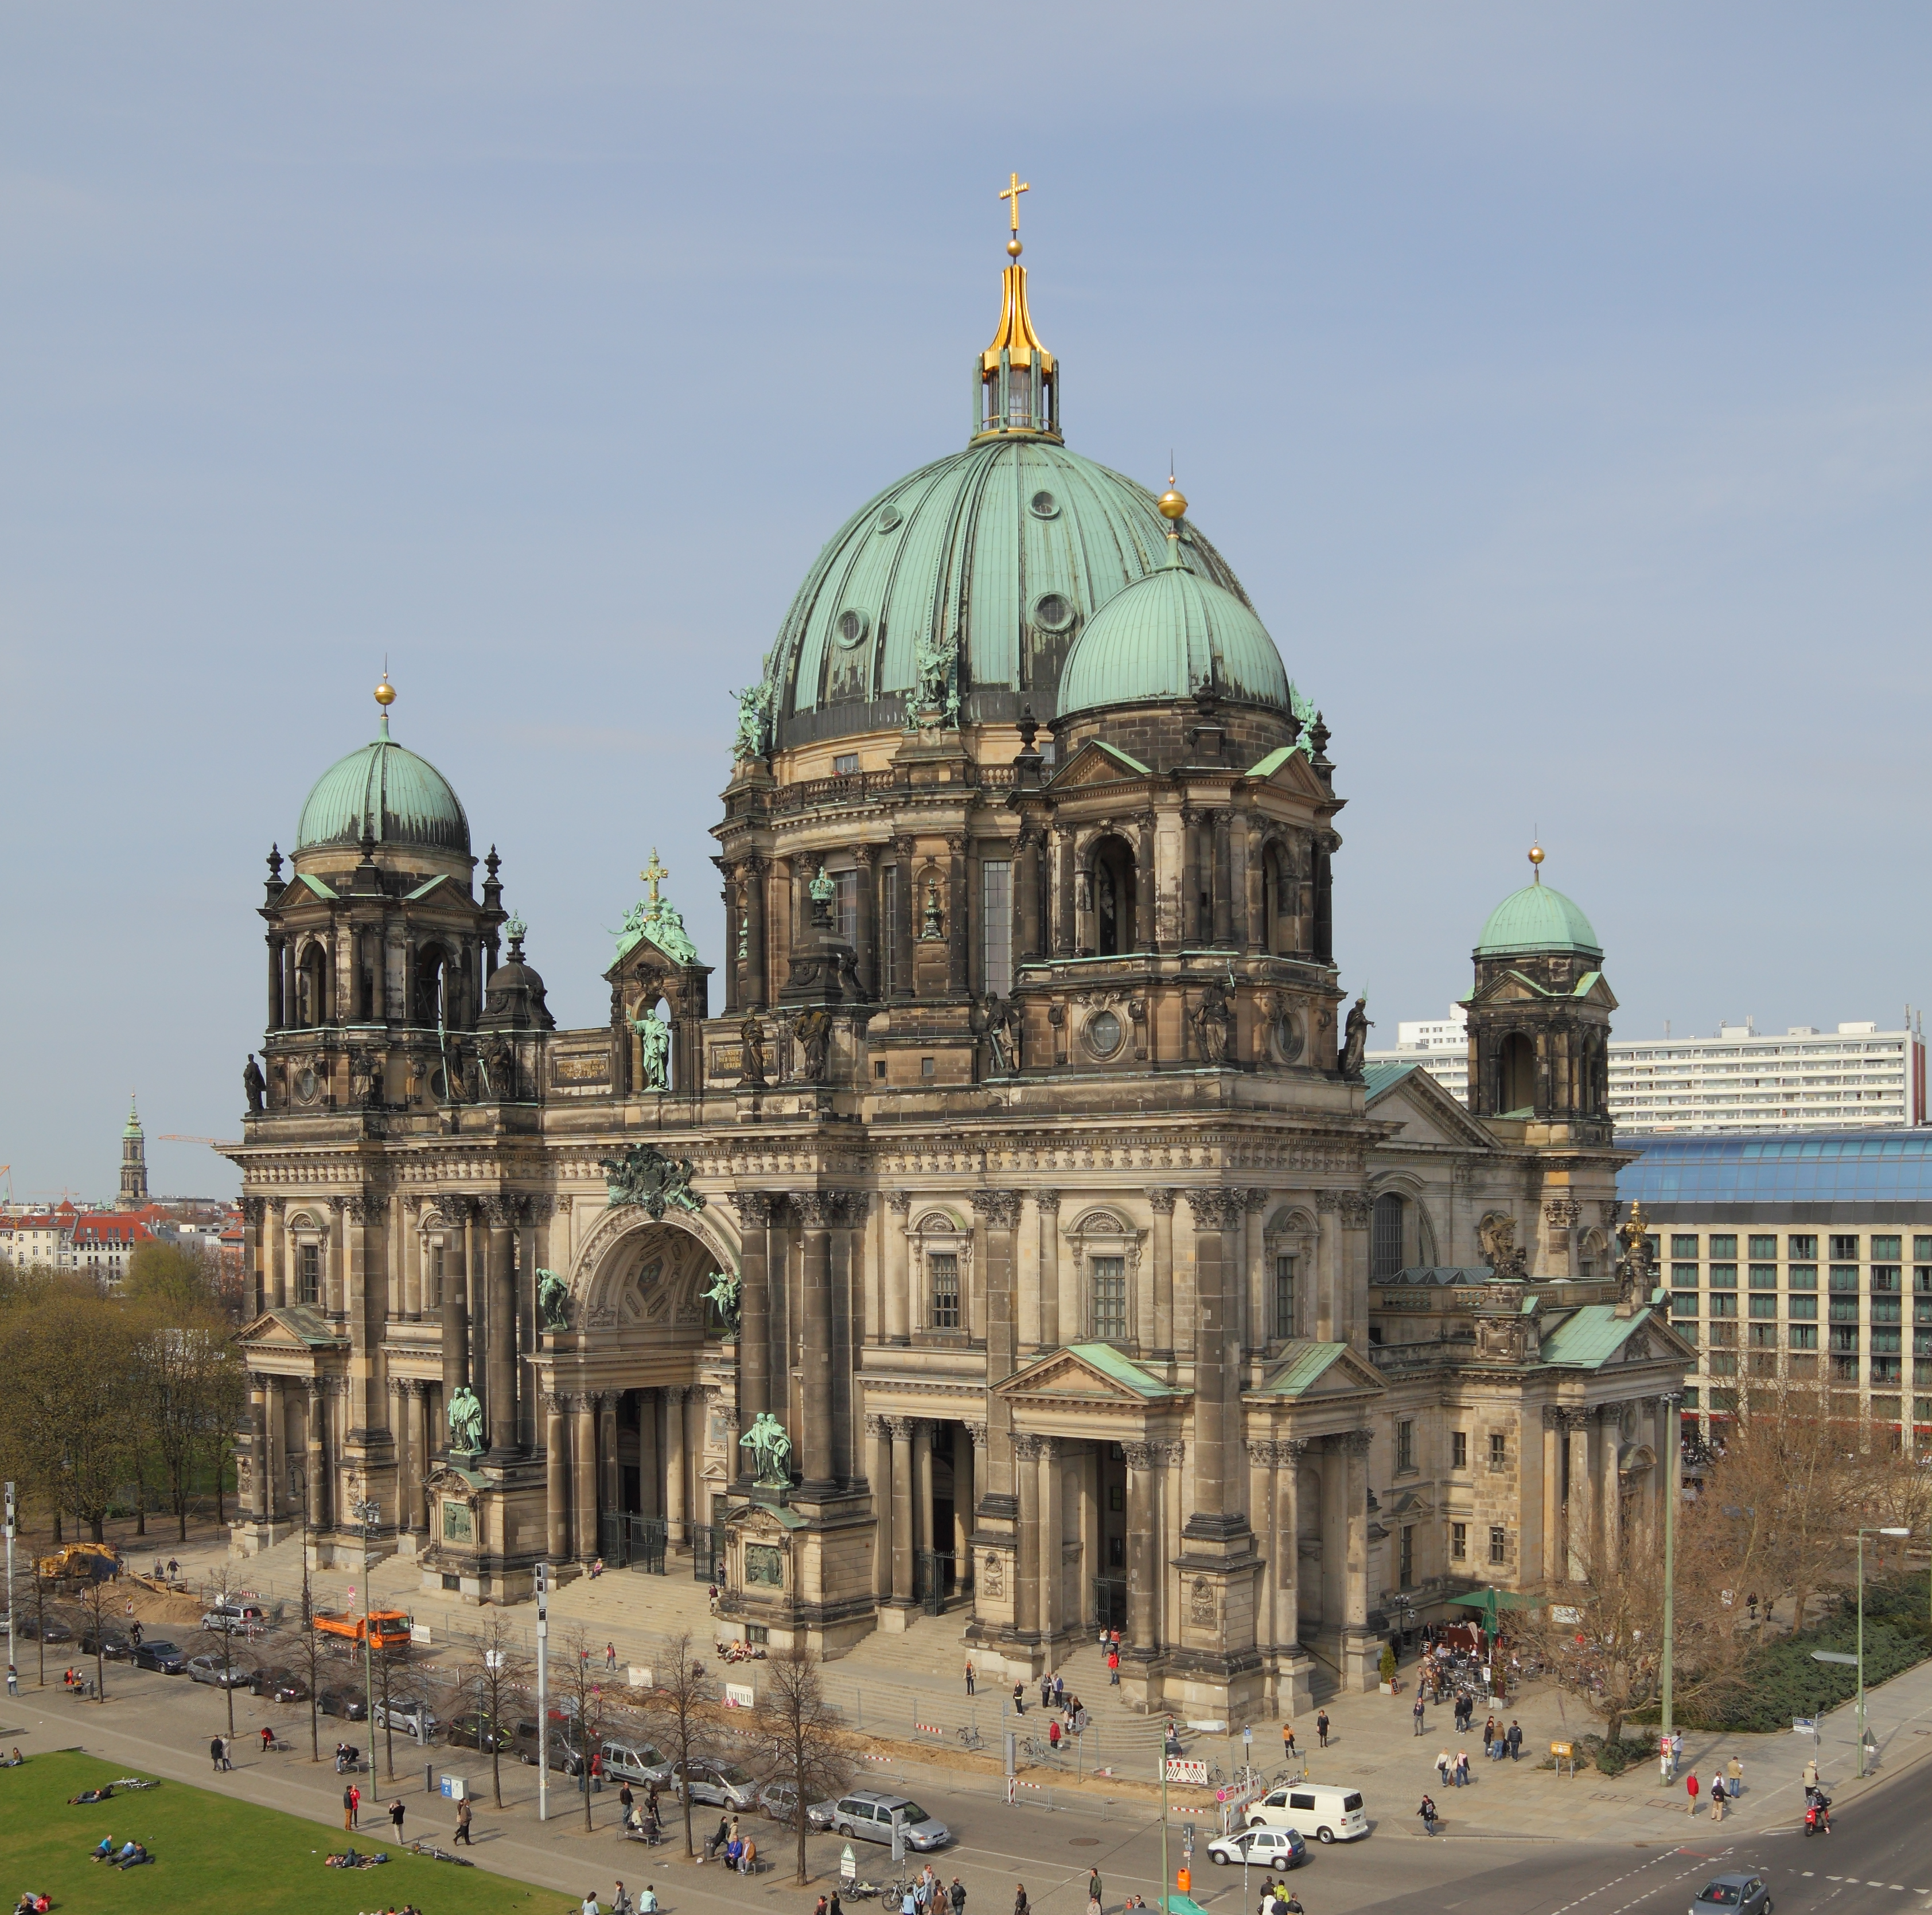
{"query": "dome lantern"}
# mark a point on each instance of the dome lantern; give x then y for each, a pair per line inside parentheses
(1016, 380)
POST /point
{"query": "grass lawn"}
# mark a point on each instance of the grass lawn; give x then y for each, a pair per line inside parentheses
(212, 1852)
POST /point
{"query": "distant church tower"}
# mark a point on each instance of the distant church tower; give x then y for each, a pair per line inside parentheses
(133, 1162)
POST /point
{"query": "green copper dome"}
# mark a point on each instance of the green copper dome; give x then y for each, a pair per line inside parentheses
(997, 556)
(395, 796)
(1165, 637)
(1537, 918)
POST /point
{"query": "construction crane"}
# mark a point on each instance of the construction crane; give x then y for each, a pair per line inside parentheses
(213, 1143)
(6, 1172)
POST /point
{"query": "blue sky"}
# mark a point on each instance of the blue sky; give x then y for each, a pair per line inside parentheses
(1557, 379)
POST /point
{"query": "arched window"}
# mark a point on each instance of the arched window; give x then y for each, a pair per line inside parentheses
(1385, 1238)
(429, 985)
(312, 987)
(1516, 1074)
(1279, 895)
(1113, 898)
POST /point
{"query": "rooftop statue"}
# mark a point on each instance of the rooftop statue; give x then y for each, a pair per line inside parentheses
(465, 1418)
(656, 918)
(723, 1293)
(754, 738)
(553, 1300)
(654, 1039)
(770, 1448)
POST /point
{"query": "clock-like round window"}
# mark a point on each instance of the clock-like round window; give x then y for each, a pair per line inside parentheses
(1043, 505)
(1053, 611)
(889, 519)
(1103, 1034)
(306, 1085)
(1289, 1042)
(850, 627)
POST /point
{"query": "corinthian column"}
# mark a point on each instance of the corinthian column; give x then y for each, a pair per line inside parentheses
(999, 1211)
(817, 1210)
(1219, 1216)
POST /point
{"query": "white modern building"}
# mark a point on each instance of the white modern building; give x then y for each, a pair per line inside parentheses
(1803, 1079)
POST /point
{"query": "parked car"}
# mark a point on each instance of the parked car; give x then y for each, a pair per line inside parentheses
(1276, 1848)
(408, 1713)
(114, 1644)
(477, 1730)
(279, 1685)
(209, 1669)
(157, 1654)
(779, 1800)
(1335, 1813)
(45, 1628)
(868, 1814)
(635, 1762)
(343, 1701)
(1739, 1894)
(226, 1617)
(563, 1752)
(724, 1784)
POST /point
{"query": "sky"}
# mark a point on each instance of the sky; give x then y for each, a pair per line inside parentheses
(1559, 380)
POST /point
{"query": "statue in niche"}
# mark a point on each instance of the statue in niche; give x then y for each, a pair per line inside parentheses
(1497, 1236)
(723, 1296)
(770, 1449)
(654, 1043)
(751, 1042)
(1004, 1027)
(814, 1032)
(1212, 1020)
(464, 1417)
(255, 1084)
(553, 1300)
(1355, 1038)
(937, 662)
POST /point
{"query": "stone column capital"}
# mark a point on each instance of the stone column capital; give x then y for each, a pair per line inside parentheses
(977, 1431)
(1255, 1199)
(1000, 1208)
(1139, 1456)
(1354, 1443)
(1354, 1206)
(1216, 1209)
(817, 1210)
(900, 1427)
(675, 1393)
(499, 1211)
(900, 1202)
(753, 1208)
(1027, 1447)
(877, 1426)
(1160, 1201)
(255, 1209)
(1049, 1201)
(1292, 1449)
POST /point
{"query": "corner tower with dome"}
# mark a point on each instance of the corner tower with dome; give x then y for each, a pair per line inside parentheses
(1020, 1246)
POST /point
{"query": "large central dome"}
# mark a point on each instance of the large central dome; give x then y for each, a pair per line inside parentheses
(994, 559)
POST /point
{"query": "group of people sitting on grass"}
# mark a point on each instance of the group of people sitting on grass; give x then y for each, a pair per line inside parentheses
(31, 1904)
(129, 1855)
(351, 1858)
(12, 1761)
(92, 1795)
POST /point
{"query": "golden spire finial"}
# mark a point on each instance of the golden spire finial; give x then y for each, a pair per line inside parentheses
(1012, 191)
(1170, 505)
(1536, 857)
(385, 697)
(654, 874)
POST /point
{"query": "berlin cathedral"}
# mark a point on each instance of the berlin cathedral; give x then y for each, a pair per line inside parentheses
(1005, 1237)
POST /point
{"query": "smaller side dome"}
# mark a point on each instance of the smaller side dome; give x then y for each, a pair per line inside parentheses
(1165, 637)
(388, 792)
(1537, 918)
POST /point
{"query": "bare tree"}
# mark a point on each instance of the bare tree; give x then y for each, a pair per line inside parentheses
(94, 1600)
(219, 1595)
(492, 1679)
(577, 1683)
(794, 1737)
(387, 1669)
(682, 1688)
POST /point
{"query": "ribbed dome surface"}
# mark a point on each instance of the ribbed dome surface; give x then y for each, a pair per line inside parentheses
(396, 797)
(1013, 545)
(1162, 638)
(1537, 918)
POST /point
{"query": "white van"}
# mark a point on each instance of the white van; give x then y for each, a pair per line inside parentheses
(1324, 1810)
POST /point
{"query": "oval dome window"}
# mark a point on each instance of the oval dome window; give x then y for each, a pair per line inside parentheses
(851, 626)
(1043, 505)
(1102, 1034)
(1053, 611)
(888, 518)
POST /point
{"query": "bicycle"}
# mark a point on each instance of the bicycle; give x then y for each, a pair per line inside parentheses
(971, 1739)
(436, 1854)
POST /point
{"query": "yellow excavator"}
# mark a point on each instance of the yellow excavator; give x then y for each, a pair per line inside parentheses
(80, 1563)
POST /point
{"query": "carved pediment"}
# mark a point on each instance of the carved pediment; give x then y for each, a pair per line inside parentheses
(1427, 1113)
(292, 1327)
(1308, 1371)
(1089, 1373)
(1096, 763)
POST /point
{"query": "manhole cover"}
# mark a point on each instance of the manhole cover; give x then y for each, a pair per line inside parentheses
(1083, 1841)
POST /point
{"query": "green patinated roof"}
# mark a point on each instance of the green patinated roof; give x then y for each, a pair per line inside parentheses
(1162, 638)
(1381, 1077)
(395, 796)
(1537, 918)
(1306, 1365)
(1122, 1369)
(972, 547)
(1589, 1336)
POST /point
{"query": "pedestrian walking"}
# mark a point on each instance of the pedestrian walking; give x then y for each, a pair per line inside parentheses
(1321, 1726)
(134, 1633)
(355, 1797)
(1019, 1698)
(214, 1753)
(969, 1679)
(1690, 1789)
(13, 1680)
(1442, 1766)
(1489, 1734)
(1021, 1905)
(1416, 1713)
(349, 1807)
(463, 1824)
(956, 1895)
(1676, 1750)
(1810, 1778)
(1717, 1796)
(1461, 1768)
(1113, 1667)
(396, 1816)
(1289, 1751)
(174, 1569)
(1515, 1739)
(1427, 1812)
(610, 1655)
(1734, 1778)
(1046, 1692)
(1059, 1692)
(1093, 1893)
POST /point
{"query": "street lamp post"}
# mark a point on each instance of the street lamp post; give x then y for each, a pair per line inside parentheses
(368, 1513)
(1672, 1488)
(1833, 1656)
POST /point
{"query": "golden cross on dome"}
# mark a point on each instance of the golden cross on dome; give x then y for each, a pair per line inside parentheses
(1013, 193)
(654, 874)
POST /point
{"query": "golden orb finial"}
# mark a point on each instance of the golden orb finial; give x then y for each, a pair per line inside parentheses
(1536, 857)
(1170, 505)
(385, 693)
(1014, 249)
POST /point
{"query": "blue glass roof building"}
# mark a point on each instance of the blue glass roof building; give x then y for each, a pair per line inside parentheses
(1810, 1177)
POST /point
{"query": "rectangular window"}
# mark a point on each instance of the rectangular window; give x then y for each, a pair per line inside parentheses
(1888, 1310)
(1801, 1310)
(1805, 1248)
(1683, 1303)
(1922, 1281)
(1845, 1338)
(943, 1269)
(1844, 1277)
(1763, 1307)
(1884, 1249)
(1724, 1247)
(1922, 1249)
(1724, 1336)
(1724, 1306)
(1688, 1331)
(1459, 1449)
(1499, 1450)
(1110, 1299)
(1802, 1276)
(1722, 1363)
(1406, 1558)
(889, 920)
(1724, 1276)
(1844, 1310)
(1886, 1369)
(1458, 1542)
(1690, 1396)
(1845, 1249)
(311, 1273)
(1284, 1297)
(996, 926)
(1803, 1336)
(1844, 1370)
(1404, 1447)
(845, 906)
(1764, 1276)
(845, 764)
(1499, 1545)
(1885, 1279)
(1683, 1246)
(1764, 1336)
(1764, 1246)
(1684, 1275)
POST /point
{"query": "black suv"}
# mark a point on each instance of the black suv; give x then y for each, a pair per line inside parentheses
(161, 1655)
